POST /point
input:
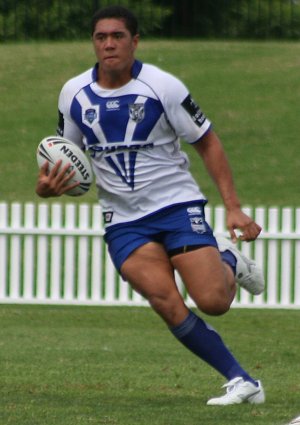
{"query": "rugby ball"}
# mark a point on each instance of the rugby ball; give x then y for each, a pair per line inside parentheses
(54, 148)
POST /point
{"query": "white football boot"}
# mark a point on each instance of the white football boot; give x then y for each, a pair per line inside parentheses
(248, 274)
(239, 391)
(295, 421)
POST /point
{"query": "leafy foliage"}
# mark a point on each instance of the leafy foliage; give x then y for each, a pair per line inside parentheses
(57, 19)
(236, 18)
(70, 19)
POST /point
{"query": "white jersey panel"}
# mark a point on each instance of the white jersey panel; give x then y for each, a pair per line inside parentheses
(183, 113)
(67, 127)
(132, 134)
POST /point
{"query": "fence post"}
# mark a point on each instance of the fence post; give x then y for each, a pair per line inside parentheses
(97, 255)
(260, 252)
(82, 250)
(272, 275)
(15, 252)
(29, 252)
(3, 250)
(42, 250)
(297, 258)
(69, 254)
(56, 253)
(286, 273)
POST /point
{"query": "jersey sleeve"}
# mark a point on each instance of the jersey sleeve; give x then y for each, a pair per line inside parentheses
(66, 125)
(183, 113)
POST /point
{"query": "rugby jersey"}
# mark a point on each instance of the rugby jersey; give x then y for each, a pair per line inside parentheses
(133, 136)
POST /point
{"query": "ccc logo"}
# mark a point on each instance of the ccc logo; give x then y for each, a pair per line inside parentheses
(113, 104)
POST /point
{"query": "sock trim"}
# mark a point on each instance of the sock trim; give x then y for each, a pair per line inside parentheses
(186, 326)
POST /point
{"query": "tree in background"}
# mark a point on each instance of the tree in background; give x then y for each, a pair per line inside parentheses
(70, 19)
(61, 19)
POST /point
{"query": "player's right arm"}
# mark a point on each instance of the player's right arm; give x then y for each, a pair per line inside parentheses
(66, 126)
(55, 182)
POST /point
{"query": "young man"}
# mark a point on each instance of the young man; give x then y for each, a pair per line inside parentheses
(130, 116)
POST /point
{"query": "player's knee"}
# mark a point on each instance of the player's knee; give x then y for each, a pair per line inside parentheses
(168, 306)
(214, 304)
(217, 309)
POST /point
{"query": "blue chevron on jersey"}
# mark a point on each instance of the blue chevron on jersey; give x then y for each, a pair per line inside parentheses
(146, 116)
(120, 119)
(126, 173)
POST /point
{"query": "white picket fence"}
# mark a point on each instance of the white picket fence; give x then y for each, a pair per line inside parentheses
(55, 254)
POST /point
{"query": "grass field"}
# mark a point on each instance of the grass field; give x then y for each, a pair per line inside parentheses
(87, 365)
(81, 366)
(250, 90)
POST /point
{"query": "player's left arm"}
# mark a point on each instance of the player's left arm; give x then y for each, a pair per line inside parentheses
(211, 150)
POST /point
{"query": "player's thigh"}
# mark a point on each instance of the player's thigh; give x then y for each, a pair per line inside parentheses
(205, 278)
(150, 272)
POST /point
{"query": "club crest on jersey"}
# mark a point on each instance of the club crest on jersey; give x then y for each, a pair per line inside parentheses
(136, 112)
(89, 116)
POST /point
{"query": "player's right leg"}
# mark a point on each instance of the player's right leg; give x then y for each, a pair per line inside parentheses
(149, 271)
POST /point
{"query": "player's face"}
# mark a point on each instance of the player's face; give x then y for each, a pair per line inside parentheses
(114, 45)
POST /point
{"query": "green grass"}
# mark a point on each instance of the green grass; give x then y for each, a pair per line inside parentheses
(250, 90)
(112, 365)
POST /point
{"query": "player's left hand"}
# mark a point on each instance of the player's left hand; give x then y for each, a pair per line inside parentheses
(238, 220)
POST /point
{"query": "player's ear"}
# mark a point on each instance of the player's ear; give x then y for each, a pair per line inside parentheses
(136, 39)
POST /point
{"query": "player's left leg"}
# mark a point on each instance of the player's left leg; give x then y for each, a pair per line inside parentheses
(247, 273)
(209, 281)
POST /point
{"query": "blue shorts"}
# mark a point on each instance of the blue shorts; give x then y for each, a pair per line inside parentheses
(176, 227)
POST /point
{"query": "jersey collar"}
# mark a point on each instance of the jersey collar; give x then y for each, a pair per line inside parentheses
(135, 70)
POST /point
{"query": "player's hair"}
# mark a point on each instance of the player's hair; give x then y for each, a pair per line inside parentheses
(116, 12)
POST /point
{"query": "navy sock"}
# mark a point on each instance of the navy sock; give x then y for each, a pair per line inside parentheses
(204, 341)
(229, 258)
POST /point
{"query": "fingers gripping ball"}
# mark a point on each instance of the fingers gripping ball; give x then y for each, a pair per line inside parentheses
(55, 148)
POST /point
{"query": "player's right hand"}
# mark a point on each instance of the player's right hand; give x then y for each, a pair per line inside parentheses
(54, 182)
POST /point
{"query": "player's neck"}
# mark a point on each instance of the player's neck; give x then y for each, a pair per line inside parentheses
(113, 80)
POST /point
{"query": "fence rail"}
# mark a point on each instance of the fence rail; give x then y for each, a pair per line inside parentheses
(55, 254)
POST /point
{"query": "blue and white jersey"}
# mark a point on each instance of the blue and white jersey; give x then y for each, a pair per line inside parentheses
(133, 135)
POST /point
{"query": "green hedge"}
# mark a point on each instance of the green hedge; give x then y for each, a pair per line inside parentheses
(69, 19)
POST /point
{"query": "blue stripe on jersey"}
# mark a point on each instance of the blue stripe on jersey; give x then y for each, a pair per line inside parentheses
(115, 114)
(136, 68)
(76, 114)
(95, 72)
(127, 175)
(113, 121)
(153, 110)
